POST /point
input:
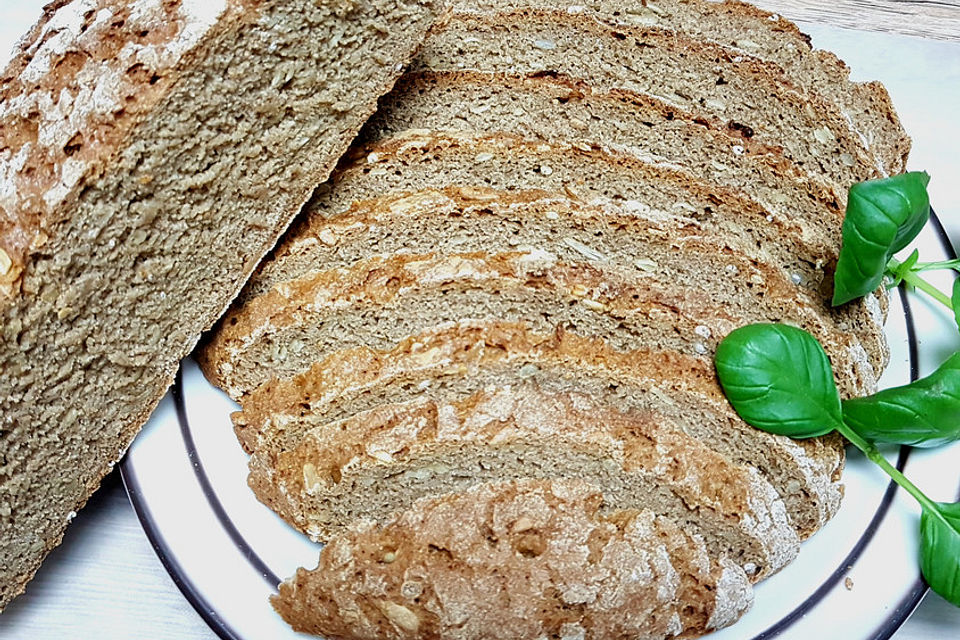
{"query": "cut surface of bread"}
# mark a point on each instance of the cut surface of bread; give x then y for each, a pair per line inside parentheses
(527, 559)
(456, 220)
(753, 96)
(176, 143)
(803, 249)
(379, 301)
(380, 462)
(447, 365)
(637, 123)
(761, 34)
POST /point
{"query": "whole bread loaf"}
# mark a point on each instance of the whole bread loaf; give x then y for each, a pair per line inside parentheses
(150, 154)
(531, 559)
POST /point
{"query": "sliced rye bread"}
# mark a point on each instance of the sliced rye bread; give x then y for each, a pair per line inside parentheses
(753, 96)
(379, 301)
(150, 154)
(380, 462)
(806, 249)
(532, 559)
(449, 364)
(417, 160)
(623, 120)
(761, 34)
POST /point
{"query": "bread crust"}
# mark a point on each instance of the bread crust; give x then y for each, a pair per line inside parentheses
(94, 73)
(520, 560)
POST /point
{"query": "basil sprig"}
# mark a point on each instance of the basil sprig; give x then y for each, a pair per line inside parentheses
(775, 376)
(925, 413)
(883, 217)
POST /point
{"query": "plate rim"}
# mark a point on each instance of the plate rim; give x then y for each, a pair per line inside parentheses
(885, 630)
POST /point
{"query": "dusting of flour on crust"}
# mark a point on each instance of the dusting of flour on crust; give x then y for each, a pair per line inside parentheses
(77, 84)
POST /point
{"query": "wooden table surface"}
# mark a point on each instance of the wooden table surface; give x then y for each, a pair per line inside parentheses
(105, 582)
(937, 19)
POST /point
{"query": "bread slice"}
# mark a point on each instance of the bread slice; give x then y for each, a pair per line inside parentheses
(624, 120)
(752, 96)
(449, 364)
(150, 154)
(761, 34)
(379, 301)
(587, 172)
(529, 559)
(806, 249)
(456, 220)
(381, 461)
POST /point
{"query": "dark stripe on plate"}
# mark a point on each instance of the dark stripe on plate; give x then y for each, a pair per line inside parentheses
(167, 558)
(212, 499)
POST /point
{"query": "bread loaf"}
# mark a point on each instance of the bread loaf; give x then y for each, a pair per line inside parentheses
(150, 154)
(450, 364)
(520, 560)
(751, 95)
(640, 124)
(802, 247)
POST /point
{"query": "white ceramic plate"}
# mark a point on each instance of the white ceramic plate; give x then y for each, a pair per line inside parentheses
(857, 579)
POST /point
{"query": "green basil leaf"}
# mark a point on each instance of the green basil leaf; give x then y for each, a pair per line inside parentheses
(925, 413)
(779, 379)
(883, 216)
(955, 301)
(940, 550)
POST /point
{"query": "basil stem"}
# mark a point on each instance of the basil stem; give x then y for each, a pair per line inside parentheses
(924, 413)
(937, 266)
(883, 217)
(955, 302)
(873, 454)
(912, 278)
(939, 526)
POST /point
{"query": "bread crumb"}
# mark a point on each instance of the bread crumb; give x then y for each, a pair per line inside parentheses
(848, 583)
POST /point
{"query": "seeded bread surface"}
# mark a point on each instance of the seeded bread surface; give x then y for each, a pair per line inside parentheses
(624, 120)
(764, 35)
(750, 94)
(177, 140)
(450, 364)
(379, 301)
(520, 560)
(380, 462)
(590, 174)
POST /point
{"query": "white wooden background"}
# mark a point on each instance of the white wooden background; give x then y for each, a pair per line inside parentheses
(106, 583)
